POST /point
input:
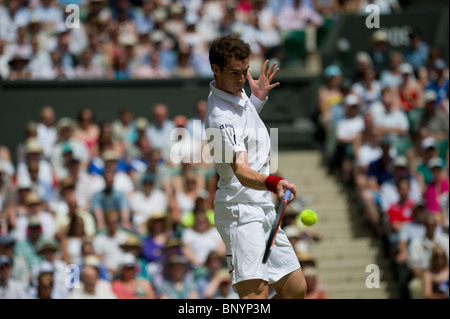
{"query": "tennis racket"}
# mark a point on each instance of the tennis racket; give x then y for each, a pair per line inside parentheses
(276, 224)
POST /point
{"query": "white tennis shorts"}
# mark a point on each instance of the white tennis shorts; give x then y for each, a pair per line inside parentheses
(245, 229)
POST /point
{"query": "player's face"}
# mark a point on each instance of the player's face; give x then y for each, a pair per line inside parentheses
(232, 77)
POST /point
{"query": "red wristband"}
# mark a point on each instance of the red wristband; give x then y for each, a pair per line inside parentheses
(272, 182)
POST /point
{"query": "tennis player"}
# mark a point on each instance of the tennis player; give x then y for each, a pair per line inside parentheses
(244, 211)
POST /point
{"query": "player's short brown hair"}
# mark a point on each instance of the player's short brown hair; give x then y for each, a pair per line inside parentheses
(227, 47)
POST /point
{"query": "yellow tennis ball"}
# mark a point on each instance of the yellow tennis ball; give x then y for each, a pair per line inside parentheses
(308, 217)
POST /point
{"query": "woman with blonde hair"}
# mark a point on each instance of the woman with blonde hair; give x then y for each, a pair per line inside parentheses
(435, 279)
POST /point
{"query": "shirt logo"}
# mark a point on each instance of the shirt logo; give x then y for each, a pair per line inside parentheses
(223, 126)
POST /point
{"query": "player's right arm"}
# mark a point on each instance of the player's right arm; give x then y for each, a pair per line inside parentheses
(253, 179)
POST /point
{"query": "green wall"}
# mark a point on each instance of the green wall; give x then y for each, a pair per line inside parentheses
(21, 101)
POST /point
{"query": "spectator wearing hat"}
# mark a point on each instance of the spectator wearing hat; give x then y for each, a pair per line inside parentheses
(330, 111)
(91, 286)
(432, 123)
(45, 287)
(389, 193)
(129, 285)
(133, 245)
(34, 154)
(35, 210)
(17, 68)
(157, 270)
(158, 231)
(19, 207)
(379, 50)
(147, 202)
(89, 258)
(19, 270)
(177, 285)
(428, 150)
(28, 248)
(411, 90)
(348, 133)
(437, 188)
(51, 262)
(10, 288)
(330, 95)
(67, 143)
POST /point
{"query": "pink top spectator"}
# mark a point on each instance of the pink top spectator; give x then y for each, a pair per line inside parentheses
(432, 194)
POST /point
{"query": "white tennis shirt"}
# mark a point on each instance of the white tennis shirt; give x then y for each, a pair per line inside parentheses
(233, 125)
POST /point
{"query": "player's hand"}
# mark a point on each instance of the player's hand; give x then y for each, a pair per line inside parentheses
(282, 186)
(261, 87)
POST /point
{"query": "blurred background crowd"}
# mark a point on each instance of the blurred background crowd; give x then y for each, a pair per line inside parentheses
(383, 129)
(105, 196)
(123, 39)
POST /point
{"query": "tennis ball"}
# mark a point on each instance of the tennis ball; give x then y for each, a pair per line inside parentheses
(308, 217)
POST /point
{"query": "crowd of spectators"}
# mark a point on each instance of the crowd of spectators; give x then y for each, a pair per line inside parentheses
(109, 201)
(384, 131)
(107, 198)
(147, 39)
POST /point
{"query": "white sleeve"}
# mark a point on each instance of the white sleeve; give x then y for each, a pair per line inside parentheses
(258, 104)
(225, 139)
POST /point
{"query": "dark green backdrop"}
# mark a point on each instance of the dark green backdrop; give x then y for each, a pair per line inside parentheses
(290, 107)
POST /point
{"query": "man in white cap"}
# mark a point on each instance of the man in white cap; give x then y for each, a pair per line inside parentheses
(348, 131)
(411, 90)
(433, 121)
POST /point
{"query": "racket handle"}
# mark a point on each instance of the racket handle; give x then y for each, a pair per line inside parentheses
(287, 195)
